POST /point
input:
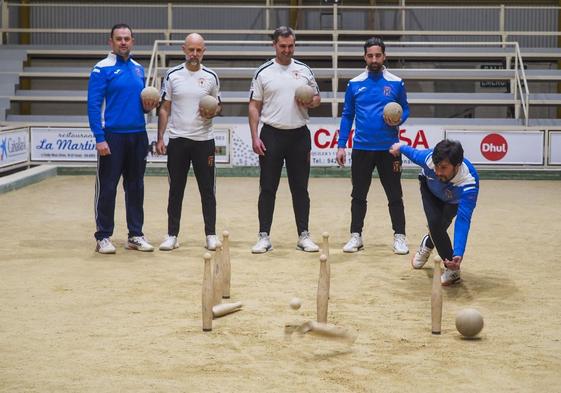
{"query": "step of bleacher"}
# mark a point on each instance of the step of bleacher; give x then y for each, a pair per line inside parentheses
(327, 73)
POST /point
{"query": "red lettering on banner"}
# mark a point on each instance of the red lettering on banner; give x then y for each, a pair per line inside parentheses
(420, 139)
(324, 140)
(403, 138)
(494, 147)
(317, 134)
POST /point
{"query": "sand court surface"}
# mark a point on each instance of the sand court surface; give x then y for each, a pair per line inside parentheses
(72, 320)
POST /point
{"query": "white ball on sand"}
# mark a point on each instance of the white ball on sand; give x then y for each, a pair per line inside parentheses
(305, 94)
(150, 92)
(295, 303)
(469, 322)
(393, 111)
(208, 103)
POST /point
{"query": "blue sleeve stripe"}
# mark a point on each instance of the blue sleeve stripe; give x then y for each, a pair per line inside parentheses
(266, 65)
(213, 74)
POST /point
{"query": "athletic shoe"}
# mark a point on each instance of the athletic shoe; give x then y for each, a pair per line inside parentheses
(450, 277)
(104, 246)
(170, 243)
(400, 244)
(263, 244)
(422, 255)
(211, 242)
(354, 244)
(305, 243)
(138, 243)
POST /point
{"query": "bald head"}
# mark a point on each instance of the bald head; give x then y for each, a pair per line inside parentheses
(194, 38)
(194, 49)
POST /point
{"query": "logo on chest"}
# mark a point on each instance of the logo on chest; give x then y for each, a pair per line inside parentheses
(295, 74)
(387, 91)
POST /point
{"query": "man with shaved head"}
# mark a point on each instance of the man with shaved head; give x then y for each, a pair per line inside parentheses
(191, 138)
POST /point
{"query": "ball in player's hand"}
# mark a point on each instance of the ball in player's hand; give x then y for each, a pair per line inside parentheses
(295, 303)
(208, 104)
(469, 322)
(393, 112)
(151, 93)
(305, 94)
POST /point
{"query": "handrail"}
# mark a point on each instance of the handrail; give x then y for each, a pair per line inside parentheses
(520, 81)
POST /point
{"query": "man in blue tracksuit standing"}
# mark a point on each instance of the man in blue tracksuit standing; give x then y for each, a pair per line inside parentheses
(116, 117)
(449, 188)
(365, 98)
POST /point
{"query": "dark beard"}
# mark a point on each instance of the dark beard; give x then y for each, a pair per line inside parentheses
(374, 68)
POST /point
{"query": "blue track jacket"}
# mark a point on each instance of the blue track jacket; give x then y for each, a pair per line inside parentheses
(365, 98)
(114, 103)
(462, 190)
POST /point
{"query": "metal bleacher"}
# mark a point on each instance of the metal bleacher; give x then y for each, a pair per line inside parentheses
(332, 89)
(48, 83)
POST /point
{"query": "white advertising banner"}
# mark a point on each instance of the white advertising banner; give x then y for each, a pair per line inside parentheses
(62, 144)
(505, 147)
(324, 143)
(555, 147)
(14, 146)
(78, 144)
(221, 142)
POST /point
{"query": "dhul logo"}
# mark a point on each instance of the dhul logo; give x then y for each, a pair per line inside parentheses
(494, 147)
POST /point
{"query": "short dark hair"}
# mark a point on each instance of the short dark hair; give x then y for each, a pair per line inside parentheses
(120, 26)
(282, 31)
(449, 150)
(375, 41)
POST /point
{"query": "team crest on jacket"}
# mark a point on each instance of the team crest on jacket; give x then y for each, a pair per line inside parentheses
(138, 72)
(201, 82)
(296, 74)
(387, 91)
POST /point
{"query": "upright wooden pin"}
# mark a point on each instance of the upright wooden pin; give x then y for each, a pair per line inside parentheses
(207, 298)
(325, 251)
(218, 280)
(325, 244)
(323, 290)
(226, 264)
(436, 297)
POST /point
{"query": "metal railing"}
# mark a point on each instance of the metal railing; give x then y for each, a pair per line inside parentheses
(510, 50)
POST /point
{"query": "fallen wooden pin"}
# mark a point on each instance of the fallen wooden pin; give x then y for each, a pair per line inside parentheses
(226, 308)
(324, 330)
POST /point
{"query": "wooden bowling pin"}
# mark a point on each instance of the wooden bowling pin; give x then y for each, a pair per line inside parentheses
(226, 267)
(436, 298)
(323, 290)
(207, 295)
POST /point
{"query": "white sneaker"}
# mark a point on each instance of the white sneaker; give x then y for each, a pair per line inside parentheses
(211, 242)
(169, 243)
(354, 244)
(263, 244)
(422, 255)
(305, 243)
(104, 246)
(138, 243)
(400, 244)
(450, 277)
